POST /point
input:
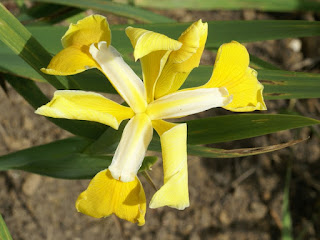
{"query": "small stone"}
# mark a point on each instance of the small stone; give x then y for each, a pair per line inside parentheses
(259, 210)
(31, 184)
(224, 218)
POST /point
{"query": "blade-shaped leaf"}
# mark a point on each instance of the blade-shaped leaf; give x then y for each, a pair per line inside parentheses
(286, 232)
(22, 43)
(242, 126)
(207, 152)
(115, 8)
(47, 13)
(264, 5)
(62, 159)
(4, 232)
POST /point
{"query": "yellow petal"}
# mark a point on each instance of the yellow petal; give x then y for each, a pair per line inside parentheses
(152, 65)
(122, 77)
(69, 61)
(153, 50)
(132, 148)
(105, 196)
(145, 42)
(92, 29)
(232, 72)
(184, 60)
(184, 103)
(174, 193)
(80, 105)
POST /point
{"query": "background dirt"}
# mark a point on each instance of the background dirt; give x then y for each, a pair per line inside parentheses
(237, 198)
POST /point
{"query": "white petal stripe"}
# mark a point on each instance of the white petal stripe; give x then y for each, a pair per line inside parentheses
(132, 148)
(122, 77)
(184, 103)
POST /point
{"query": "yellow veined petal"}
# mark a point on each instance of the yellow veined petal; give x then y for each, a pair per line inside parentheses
(122, 77)
(232, 72)
(132, 148)
(152, 65)
(181, 62)
(92, 29)
(153, 50)
(81, 105)
(187, 102)
(69, 61)
(105, 196)
(174, 193)
(145, 42)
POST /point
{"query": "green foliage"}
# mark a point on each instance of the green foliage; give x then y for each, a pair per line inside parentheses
(269, 5)
(115, 8)
(4, 232)
(25, 50)
(286, 216)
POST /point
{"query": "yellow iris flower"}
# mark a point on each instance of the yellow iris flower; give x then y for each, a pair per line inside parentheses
(166, 63)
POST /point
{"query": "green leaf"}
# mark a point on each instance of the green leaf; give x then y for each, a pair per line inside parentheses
(47, 13)
(62, 159)
(242, 126)
(287, 85)
(115, 8)
(207, 152)
(242, 31)
(4, 232)
(286, 232)
(147, 163)
(46, 152)
(263, 5)
(258, 63)
(33, 95)
(20, 40)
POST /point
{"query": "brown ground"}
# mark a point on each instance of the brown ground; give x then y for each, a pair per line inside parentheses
(238, 198)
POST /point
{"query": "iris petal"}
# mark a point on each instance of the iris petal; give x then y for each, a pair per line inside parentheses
(174, 193)
(105, 196)
(70, 61)
(181, 62)
(184, 103)
(132, 148)
(75, 58)
(232, 72)
(92, 29)
(81, 105)
(122, 77)
(153, 50)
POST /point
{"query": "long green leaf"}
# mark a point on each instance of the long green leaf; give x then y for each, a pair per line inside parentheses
(22, 43)
(207, 152)
(264, 5)
(242, 126)
(47, 13)
(286, 232)
(115, 8)
(242, 31)
(4, 232)
(62, 159)
(219, 32)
